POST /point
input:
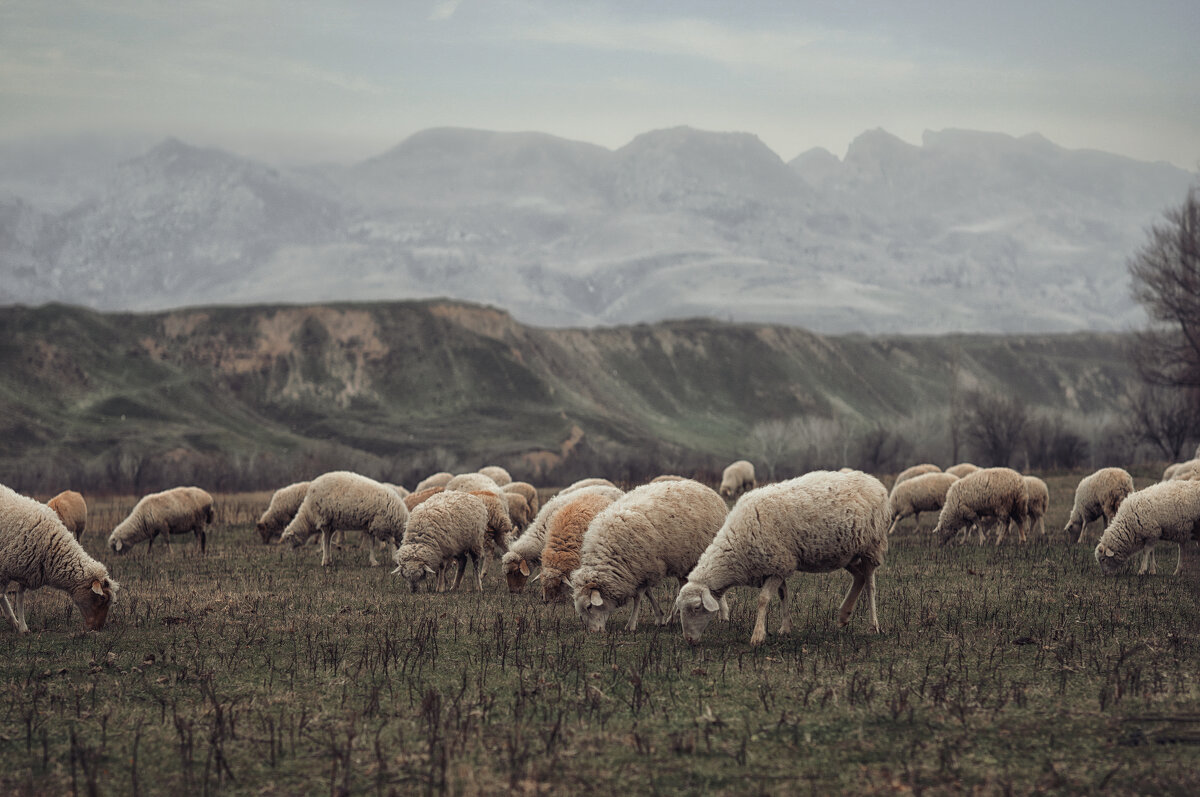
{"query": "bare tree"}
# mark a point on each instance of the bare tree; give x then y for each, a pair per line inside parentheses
(1165, 417)
(1166, 281)
(994, 424)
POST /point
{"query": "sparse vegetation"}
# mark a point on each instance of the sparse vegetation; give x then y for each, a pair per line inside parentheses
(254, 671)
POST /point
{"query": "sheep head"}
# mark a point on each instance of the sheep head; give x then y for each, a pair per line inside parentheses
(697, 606)
(94, 597)
(516, 572)
(593, 608)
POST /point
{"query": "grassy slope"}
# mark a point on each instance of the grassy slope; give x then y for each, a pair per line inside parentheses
(411, 376)
(254, 670)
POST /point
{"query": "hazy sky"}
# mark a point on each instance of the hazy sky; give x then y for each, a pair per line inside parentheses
(343, 81)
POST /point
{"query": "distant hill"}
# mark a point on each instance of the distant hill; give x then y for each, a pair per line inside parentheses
(254, 394)
(967, 232)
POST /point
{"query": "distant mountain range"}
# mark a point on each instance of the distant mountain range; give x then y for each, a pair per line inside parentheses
(968, 232)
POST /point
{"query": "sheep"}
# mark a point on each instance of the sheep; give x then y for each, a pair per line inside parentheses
(518, 510)
(584, 483)
(737, 478)
(923, 493)
(564, 536)
(1037, 496)
(1189, 471)
(497, 474)
(413, 500)
(451, 525)
(915, 470)
(818, 523)
(341, 500)
(526, 551)
(176, 511)
(470, 482)
(1169, 471)
(436, 480)
(499, 524)
(962, 469)
(1165, 511)
(655, 531)
(71, 510)
(37, 550)
(1097, 496)
(283, 507)
(526, 490)
(993, 493)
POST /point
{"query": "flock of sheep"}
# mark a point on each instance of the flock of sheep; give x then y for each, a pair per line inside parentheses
(601, 547)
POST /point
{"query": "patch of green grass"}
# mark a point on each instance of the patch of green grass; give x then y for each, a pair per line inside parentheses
(255, 671)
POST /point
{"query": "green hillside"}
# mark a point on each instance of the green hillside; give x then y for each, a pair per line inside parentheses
(252, 395)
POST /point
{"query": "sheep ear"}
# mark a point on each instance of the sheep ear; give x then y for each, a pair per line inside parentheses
(524, 568)
(97, 587)
(430, 570)
(710, 603)
(118, 545)
(1109, 552)
(596, 599)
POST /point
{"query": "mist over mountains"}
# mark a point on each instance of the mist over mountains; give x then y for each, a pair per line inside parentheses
(969, 231)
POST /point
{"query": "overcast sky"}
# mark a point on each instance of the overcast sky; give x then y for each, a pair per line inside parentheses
(344, 81)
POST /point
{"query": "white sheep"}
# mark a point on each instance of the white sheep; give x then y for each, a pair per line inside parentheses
(962, 469)
(470, 482)
(818, 523)
(497, 474)
(71, 510)
(285, 503)
(37, 550)
(525, 552)
(438, 479)
(995, 495)
(737, 478)
(593, 481)
(527, 491)
(345, 501)
(1188, 471)
(401, 491)
(915, 470)
(922, 493)
(1037, 496)
(180, 510)
(1098, 496)
(1167, 511)
(448, 526)
(655, 531)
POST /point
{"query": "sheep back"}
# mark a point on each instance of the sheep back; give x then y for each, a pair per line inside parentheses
(497, 474)
(71, 510)
(915, 470)
(471, 482)
(413, 500)
(962, 469)
(438, 479)
(526, 490)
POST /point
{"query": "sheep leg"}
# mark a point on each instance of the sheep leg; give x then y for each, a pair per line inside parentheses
(22, 626)
(659, 618)
(461, 561)
(871, 597)
(637, 607)
(6, 607)
(724, 608)
(785, 625)
(1149, 566)
(203, 537)
(1082, 532)
(895, 524)
(370, 541)
(480, 566)
(1187, 559)
(859, 570)
(770, 587)
(326, 557)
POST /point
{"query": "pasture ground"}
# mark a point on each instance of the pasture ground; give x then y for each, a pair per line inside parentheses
(254, 671)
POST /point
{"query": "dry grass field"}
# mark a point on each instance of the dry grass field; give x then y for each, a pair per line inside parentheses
(254, 671)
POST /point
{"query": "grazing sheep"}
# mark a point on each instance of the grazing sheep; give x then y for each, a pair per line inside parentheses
(1187, 471)
(413, 500)
(995, 494)
(962, 469)
(818, 523)
(497, 474)
(526, 551)
(37, 550)
(655, 531)
(1165, 511)
(345, 501)
(71, 510)
(436, 480)
(470, 482)
(179, 510)
(737, 478)
(518, 511)
(451, 525)
(584, 483)
(923, 493)
(285, 503)
(527, 491)
(915, 470)
(1169, 471)
(564, 536)
(1098, 496)
(499, 524)
(1037, 496)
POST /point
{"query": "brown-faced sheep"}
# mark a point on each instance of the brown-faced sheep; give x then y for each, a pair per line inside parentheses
(37, 550)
